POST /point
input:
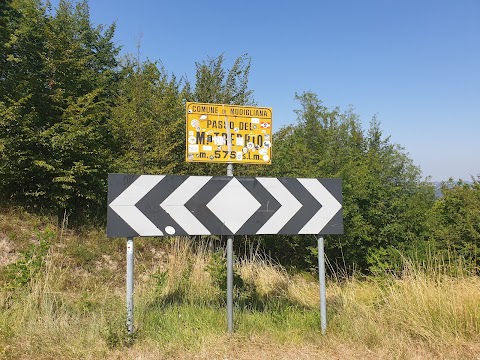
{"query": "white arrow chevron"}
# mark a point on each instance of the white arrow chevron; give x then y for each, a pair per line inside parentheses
(174, 205)
(124, 205)
(289, 206)
(330, 206)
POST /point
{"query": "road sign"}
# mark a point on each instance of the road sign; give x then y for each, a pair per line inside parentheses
(163, 205)
(228, 134)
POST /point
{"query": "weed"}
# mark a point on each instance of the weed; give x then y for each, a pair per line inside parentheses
(160, 278)
(116, 334)
(217, 268)
(84, 256)
(30, 261)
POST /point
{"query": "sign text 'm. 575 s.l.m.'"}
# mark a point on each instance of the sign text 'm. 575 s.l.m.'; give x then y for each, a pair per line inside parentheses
(228, 134)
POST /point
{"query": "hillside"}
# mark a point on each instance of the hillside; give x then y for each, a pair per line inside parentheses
(63, 296)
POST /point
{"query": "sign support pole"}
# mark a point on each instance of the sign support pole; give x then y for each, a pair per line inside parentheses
(230, 272)
(130, 328)
(321, 276)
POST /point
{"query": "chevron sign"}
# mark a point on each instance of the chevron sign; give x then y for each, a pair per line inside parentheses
(165, 205)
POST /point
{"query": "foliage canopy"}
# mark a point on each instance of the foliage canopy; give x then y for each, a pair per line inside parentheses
(72, 110)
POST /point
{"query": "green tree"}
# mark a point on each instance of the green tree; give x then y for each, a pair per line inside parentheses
(59, 81)
(384, 202)
(455, 221)
(216, 84)
(395, 202)
(22, 100)
(9, 19)
(148, 120)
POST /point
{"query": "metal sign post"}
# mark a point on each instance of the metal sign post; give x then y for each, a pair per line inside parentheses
(230, 272)
(321, 276)
(230, 284)
(130, 327)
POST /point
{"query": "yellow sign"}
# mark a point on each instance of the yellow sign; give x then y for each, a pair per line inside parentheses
(228, 134)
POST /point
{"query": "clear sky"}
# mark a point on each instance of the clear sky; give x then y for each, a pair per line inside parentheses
(413, 63)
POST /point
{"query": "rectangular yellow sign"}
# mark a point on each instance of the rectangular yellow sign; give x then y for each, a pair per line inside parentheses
(228, 134)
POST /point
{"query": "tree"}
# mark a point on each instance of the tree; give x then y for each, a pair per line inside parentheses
(455, 221)
(216, 85)
(384, 202)
(9, 19)
(148, 120)
(395, 202)
(60, 77)
(22, 100)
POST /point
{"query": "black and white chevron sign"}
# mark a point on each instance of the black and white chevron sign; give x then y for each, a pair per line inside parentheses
(164, 205)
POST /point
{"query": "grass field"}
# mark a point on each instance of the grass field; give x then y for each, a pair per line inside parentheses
(63, 297)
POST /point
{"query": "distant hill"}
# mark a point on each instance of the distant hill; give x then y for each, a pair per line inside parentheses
(438, 186)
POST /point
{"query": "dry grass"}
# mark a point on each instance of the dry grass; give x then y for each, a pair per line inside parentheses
(74, 307)
(428, 312)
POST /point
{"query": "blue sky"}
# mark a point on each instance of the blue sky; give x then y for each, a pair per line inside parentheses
(413, 63)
